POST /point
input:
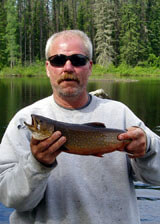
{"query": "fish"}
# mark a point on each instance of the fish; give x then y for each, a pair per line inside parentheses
(82, 139)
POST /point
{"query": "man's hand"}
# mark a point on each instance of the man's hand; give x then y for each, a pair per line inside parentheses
(47, 150)
(138, 145)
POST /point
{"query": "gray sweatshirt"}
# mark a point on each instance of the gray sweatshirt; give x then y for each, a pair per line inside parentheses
(79, 189)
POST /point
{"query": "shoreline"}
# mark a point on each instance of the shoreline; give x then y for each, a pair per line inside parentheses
(98, 71)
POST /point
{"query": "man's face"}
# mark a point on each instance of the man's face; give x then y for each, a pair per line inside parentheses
(68, 80)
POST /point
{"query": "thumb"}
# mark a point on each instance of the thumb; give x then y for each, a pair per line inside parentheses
(34, 141)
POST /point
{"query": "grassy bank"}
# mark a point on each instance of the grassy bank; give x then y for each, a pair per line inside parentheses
(137, 71)
(38, 69)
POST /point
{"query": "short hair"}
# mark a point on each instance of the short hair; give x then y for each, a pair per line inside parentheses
(65, 33)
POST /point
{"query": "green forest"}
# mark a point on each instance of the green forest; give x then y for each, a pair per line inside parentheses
(122, 31)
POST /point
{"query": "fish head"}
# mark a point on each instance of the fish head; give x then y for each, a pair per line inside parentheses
(40, 128)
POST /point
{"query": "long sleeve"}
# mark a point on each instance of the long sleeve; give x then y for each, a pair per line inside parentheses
(147, 168)
(23, 179)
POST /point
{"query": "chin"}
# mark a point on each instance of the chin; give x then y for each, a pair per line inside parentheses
(70, 93)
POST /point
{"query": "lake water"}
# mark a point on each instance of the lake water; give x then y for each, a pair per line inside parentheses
(142, 97)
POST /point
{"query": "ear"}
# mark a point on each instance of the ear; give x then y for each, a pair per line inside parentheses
(47, 71)
(90, 66)
(91, 63)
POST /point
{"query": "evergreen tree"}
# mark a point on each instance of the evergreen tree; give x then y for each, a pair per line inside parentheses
(72, 14)
(131, 46)
(3, 22)
(153, 26)
(144, 52)
(64, 16)
(85, 16)
(103, 38)
(120, 30)
(116, 5)
(81, 16)
(40, 27)
(20, 9)
(11, 32)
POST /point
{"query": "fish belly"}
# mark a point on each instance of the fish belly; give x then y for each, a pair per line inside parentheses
(91, 143)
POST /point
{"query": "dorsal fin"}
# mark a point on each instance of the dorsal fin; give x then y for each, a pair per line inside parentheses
(96, 124)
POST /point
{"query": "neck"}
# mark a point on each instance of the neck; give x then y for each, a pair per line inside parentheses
(72, 102)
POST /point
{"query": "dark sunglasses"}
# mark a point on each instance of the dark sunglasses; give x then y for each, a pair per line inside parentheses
(59, 60)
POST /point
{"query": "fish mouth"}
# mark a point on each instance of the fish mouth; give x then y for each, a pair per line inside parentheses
(68, 77)
(34, 122)
(34, 126)
(39, 128)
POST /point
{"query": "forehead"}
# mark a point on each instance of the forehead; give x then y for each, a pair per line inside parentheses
(67, 45)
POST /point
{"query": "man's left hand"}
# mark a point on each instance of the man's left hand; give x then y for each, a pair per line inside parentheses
(137, 147)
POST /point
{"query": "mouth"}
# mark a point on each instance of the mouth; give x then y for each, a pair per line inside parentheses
(35, 123)
(69, 78)
(33, 126)
(33, 120)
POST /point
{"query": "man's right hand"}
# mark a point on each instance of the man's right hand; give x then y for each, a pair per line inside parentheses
(47, 150)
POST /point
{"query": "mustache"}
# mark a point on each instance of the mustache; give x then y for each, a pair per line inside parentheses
(68, 77)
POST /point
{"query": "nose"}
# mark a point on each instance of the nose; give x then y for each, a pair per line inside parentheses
(68, 66)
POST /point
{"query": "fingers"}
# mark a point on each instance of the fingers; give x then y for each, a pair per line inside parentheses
(47, 150)
(43, 145)
(137, 147)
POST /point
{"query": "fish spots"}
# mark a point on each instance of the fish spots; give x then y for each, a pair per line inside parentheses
(82, 139)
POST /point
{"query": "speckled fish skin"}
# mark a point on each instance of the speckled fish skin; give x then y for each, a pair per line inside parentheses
(83, 139)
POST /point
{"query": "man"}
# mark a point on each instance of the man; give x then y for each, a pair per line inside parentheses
(45, 185)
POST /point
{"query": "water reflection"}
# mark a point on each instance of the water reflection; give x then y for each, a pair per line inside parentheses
(15, 93)
(142, 96)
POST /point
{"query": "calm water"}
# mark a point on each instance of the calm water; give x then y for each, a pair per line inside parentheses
(142, 97)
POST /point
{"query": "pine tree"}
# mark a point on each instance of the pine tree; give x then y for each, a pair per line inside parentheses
(40, 27)
(64, 16)
(81, 16)
(3, 22)
(20, 9)
(85, 16)
(11, 32)
(153, 26)
(103, 38)
(116, 6)
(132, 47)
(120, 30)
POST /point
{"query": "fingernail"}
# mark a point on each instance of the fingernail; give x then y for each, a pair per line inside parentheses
(58, 133)
(63, 138)
(120, 137)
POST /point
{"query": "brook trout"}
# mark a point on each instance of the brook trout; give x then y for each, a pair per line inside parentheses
(83, 139)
